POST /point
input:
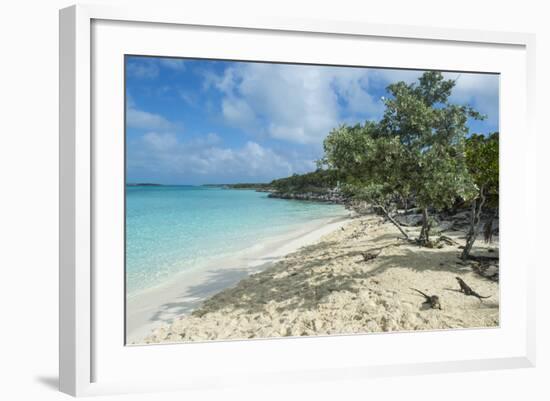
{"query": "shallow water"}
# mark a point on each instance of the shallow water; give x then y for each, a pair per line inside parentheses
(170, 229)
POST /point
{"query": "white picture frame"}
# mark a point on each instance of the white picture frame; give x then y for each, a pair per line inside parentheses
(80, 341)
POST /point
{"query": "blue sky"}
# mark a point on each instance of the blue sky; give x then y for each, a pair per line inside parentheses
(200, 121)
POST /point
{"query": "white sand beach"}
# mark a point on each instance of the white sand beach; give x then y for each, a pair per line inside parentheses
(323, 286)
(184, 293)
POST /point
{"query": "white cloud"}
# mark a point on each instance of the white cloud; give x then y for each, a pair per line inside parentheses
(171, 155)
(388, 76)
(160, 142)
(172, 63)
(146, 68)
(239, 112)
(480, 91)
(190, 98)
(352, 86)
(144, 120)
(299, 104)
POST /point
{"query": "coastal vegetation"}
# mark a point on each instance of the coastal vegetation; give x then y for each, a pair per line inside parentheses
(482, 160)
(316, 182)
(420, 157)
(319, 181)
(415, 152)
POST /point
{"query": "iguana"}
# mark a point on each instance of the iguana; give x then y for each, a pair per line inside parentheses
(367, 256)
(465, 288)
(433, 300)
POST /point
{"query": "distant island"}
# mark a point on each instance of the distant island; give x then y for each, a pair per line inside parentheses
(144, 184)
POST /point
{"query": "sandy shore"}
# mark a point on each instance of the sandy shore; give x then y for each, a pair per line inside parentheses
(327, 288)
(178, 297)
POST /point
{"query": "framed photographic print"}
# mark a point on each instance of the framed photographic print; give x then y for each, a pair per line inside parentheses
(277, 200)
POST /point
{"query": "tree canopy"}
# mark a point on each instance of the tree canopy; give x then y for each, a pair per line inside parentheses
(316, 182)
(482, 161)
(417, 149)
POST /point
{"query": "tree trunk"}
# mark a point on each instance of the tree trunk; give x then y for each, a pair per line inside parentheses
(395, 223)
(474, 225)
(473, 213)
(488, 230)
(424, 237)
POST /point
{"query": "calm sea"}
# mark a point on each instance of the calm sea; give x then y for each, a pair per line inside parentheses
(170, 229)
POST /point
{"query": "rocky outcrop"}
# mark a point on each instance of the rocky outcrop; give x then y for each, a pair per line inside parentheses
(330, 196)
(409, 220)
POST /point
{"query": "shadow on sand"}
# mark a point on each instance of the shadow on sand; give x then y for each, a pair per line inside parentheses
(305, 280)
(216, 281)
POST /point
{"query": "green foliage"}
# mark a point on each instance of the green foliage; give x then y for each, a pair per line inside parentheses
(433, 133)
(482, 161)
(316, 182)
(367, 162)
(419, 150)
(416, 150)
(442, 177)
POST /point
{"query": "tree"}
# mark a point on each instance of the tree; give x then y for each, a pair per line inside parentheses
(482, 160)
(417, 150)
(432, 133)
(369, 166)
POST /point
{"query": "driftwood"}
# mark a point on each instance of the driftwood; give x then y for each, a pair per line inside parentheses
(488, 271)
(485, 266)
(440, 242)
(447, 240)
(483, 259)
(387, 214)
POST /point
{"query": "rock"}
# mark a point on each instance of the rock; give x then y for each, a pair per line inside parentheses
(464, 215)
(331, 196)
(444, 225)
(409, 219)
(490, 271)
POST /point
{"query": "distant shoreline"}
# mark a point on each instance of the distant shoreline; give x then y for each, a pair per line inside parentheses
(143, 184)
(325, 196)
(233, 186)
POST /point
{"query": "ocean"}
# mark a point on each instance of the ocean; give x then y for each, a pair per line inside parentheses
(172, 229)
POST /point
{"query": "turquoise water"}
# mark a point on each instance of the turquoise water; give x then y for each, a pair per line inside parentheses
(170, 229)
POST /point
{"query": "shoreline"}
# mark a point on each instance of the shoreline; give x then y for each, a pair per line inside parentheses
(149, 309)
(328, 288)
